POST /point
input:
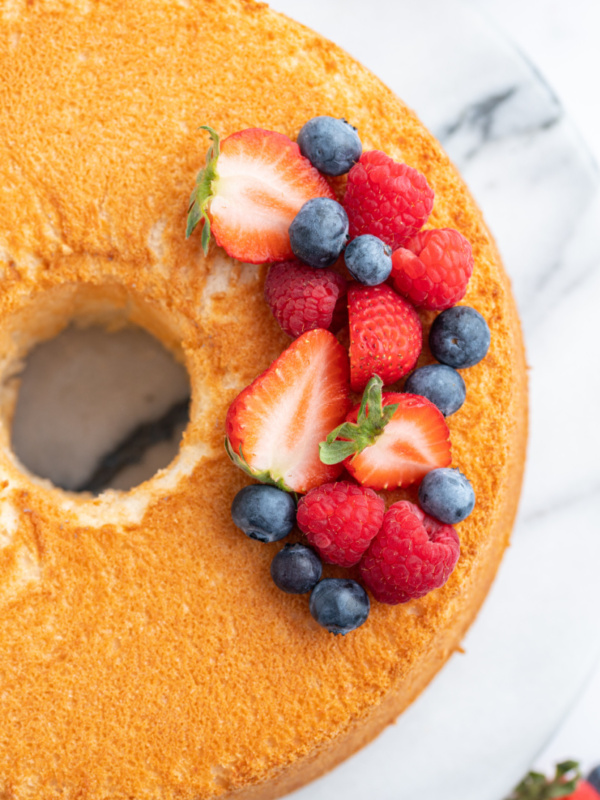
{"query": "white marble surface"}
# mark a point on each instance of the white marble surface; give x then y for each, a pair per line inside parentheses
(478, 727)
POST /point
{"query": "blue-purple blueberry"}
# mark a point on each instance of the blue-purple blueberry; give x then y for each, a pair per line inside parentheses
(447, 495)
(369, 260)
(594, 778)
(296, 569)
(331, 145)
(339, 604)
(439, 383)
(264, 512)
(459, 337)
(319, 232)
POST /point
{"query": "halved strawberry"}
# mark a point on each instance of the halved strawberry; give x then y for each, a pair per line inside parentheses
(389, 440)
(274, 426)
(253, 185)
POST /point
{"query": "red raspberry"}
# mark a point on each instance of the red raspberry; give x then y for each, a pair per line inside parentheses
(412, 554)
(387, 199)
(433, 268)
(340, 520)
(302, 298)
(385, 335)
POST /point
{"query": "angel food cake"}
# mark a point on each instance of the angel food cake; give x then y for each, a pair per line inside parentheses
(146, 652)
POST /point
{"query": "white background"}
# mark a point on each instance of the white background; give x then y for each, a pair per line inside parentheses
(561, 38)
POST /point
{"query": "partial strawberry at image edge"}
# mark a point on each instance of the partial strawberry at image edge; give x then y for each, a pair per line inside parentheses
(566, 783)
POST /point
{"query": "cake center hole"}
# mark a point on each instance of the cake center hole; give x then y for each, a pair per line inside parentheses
(98, 409)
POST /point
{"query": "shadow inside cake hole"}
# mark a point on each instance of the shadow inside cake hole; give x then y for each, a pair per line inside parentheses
(99, 408)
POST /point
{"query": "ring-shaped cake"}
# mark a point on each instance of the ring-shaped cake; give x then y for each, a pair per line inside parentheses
(145, 652)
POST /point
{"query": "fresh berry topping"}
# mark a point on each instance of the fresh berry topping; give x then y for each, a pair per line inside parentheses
(411, 555)
(594, 779)
(387, 199)
(302, 298)
(331, 145)
(447, 495)
(339, 605)
(319, 232)
(390, 440)
(296, 569)
(264, 513)
(433, 268)
(442, 385)
(369, 260)
(584, 791)
(253, 185)
(340, 519)
(274, 426)
(459, 337)
(566, 783)
(385, 335)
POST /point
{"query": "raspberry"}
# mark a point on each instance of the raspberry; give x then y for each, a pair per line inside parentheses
(386, 199)
(433, 268)
(340, 520)
(411, 555)
(302, 298)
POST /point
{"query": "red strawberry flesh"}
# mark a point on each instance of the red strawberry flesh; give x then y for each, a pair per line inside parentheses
(279, 420)
(262, 180)
(415, 441)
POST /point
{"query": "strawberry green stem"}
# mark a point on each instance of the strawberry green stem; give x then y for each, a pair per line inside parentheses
(536, 786)
(261, 477)
(202, 192)
(350, 438)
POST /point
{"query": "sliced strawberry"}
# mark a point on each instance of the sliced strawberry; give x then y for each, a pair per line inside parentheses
(274, 426)
(253, 185)
(385, 335)
(389, 440)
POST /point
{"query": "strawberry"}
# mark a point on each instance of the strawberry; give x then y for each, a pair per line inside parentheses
(274, 426)
(253, 185)
(385, 335)
(390, 440)
(566, 783)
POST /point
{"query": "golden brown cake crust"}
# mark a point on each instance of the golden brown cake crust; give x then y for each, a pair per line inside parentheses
(145, 652)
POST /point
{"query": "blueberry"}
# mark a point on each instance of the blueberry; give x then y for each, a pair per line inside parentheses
(319, 232)
(459, 337)
(339, 605)
(446, 495)
(369, 260)
(264, 512)
(296, 569)
(594, 778)
(331, 145)
(442, 385)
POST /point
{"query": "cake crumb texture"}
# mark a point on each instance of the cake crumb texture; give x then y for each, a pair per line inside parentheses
(145, 651)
